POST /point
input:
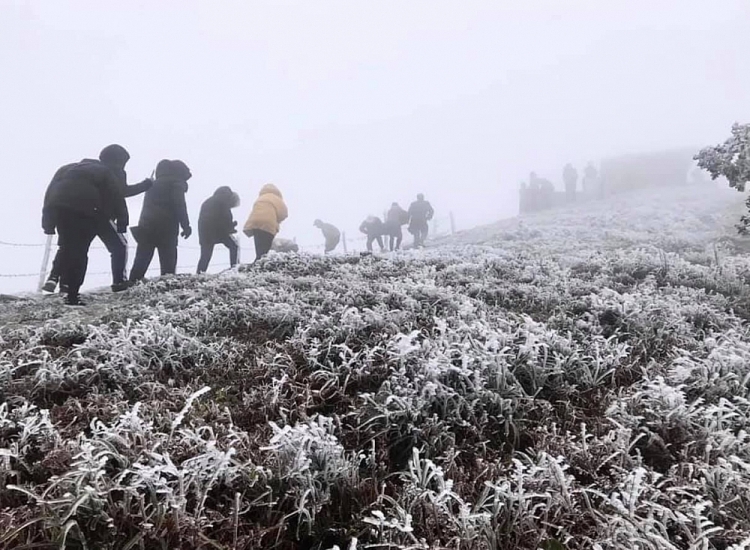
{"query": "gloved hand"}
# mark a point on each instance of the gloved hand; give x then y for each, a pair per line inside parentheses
(147, 184)
(49, 230)
(186, 232)
(122, 228)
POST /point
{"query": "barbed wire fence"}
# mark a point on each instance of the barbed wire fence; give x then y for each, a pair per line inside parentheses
(99, 257)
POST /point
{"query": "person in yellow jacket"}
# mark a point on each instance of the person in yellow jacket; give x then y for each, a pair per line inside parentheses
(268, 212)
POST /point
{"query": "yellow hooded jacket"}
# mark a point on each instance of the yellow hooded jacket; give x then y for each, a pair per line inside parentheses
(268, 211)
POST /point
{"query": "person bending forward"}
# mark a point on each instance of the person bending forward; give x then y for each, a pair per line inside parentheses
(265, 218)
(216, 226)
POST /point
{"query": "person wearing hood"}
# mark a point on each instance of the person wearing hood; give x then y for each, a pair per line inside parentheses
(420, 213)
(81, 198)
(164, 212)
(265, 218)
(115, 157)
(330, 233)
(394, 220)
(216, 226)
(374, 228)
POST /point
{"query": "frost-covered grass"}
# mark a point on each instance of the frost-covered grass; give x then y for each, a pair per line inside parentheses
(557, 382)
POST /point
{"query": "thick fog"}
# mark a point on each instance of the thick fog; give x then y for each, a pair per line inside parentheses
(348, 106)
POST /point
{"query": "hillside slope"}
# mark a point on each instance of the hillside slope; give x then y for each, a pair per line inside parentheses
(580, 376)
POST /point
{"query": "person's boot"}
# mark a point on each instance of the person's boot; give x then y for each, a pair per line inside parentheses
(122, 286)
(50, 286)
(73, 300)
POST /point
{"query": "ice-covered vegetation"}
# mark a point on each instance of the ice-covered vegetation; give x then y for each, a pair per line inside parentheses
(577, 380)
(731, 160)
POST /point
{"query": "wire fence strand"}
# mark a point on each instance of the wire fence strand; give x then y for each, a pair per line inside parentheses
(358, 239)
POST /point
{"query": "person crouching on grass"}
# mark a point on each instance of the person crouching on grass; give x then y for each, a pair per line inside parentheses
(265, 218)
(216, 226)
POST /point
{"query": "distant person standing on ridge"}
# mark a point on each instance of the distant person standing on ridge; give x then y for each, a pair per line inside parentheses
(420, 213)
(263, 224)
(81, 198)
(395, 218)
(216, 226)
(374, 229)
(570, 178)
(115, 157)
(330, 233)
(164, 212)
(590, 177)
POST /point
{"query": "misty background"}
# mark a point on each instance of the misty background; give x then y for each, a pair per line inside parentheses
(348, 106)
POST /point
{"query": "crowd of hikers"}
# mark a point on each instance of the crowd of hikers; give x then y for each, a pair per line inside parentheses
(539, 193)
(87, 199)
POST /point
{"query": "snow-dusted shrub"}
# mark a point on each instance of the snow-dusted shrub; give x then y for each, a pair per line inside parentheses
(731, 160)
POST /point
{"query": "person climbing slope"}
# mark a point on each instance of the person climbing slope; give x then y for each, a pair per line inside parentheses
(374, 228)
(394, 220)
(216, 226)
(331, 234)
(115, 157)
(81, 198)
(265, 218)
(164, 212)
(420, 213)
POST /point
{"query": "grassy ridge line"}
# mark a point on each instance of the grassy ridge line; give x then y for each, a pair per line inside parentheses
(462, 397)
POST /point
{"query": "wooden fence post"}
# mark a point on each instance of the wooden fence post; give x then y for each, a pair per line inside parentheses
(45, 261)
(343, 240)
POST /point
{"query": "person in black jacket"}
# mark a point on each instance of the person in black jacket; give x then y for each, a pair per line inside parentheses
(164, 212)
(374, 228)
(395, 218)
(115, 157)
(420, 213)
(216, 226)
(80, 199)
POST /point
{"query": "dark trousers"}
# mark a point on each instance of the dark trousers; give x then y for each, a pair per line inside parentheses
(207, 250)
(144, 253)
(75, 236)
(117, 246)
(371, 239)
(263, 242)
(419, 230)
(394, 239)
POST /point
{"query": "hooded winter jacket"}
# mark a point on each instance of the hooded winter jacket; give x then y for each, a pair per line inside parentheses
(268, 211)
(164, 209)
(215, 221)
(88, 188)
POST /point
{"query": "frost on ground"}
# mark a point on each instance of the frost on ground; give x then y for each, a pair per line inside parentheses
(577, 380)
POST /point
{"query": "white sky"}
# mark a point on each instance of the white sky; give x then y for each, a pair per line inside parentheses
(349, 105)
